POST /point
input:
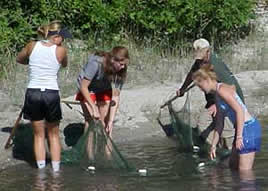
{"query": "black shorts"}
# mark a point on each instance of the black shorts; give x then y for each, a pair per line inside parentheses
(42, 105)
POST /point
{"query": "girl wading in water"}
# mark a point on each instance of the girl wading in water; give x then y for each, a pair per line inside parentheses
(247, 138)
(100, 82)
(42, 100)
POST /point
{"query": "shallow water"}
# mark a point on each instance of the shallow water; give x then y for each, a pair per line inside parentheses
(167, 169)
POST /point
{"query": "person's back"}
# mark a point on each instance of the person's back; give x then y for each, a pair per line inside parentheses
(42, 100)
(43, 67)
(228, 110)
(224, 74)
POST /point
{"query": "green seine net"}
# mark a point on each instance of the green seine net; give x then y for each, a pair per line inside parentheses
(96, 148)
(181, 121)
(23, 143)
(92, 148)
(177, 122)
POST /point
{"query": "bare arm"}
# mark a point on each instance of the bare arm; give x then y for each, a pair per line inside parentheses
(24, 54)
(113, 109)
(61, 54)
(215, 139)
(214, 143)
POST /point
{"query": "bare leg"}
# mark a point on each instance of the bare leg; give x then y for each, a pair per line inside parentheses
(104, 117)
(247, 175)
(86, 113)
(246, 161)
(242, 162)
(247, 180)
(90, 144)
(39, 140)
(54, 140)
(104, 107)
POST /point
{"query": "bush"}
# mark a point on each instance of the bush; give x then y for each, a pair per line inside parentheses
(164, 23)
(175, 20)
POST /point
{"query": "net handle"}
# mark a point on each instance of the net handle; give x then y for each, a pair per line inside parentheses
(13, 131)
(175, 97)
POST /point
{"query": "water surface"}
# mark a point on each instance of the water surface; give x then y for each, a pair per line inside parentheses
(167, 168)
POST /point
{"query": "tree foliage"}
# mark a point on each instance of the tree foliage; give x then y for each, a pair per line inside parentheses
(168, 22)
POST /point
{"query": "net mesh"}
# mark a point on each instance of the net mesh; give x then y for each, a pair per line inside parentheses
(91, 148)
(176, 121)
(23, 143)
(96, 148)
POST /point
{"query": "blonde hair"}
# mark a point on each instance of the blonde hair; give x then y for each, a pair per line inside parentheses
(205, 72)
(53, 26)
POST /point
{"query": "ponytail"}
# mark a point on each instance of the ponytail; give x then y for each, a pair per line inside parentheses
(53, 26)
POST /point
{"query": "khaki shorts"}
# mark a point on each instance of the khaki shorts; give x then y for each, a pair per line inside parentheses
(205, 120)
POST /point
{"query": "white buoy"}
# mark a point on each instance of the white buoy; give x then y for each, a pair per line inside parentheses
(91, 168)
(142, 172)
(196, 149)
(201, 164)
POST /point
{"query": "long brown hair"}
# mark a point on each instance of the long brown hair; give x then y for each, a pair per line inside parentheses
(109, 70)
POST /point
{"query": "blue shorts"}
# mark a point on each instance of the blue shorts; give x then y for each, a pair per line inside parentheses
(251, 137)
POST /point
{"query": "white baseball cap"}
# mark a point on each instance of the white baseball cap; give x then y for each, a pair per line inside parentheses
(200, 44)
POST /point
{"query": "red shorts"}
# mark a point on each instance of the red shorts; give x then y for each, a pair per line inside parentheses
(102, 96)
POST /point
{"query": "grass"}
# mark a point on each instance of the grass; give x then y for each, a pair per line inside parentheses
(149, 64)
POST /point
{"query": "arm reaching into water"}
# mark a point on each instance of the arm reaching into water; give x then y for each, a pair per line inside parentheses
(113, 110)
(214, 143)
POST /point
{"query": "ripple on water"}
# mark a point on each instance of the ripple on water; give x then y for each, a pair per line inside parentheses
(167, 168)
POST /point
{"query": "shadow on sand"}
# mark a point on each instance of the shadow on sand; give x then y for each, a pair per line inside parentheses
(22, 143)
(23, 140)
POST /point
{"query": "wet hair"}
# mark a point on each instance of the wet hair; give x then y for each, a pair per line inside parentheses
(45, 29)
(109, 69)
(205, 72)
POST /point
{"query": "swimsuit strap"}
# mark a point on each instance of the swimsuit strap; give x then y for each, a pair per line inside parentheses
(218, 86)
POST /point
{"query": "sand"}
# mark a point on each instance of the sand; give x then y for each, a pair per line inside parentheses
(139, 106)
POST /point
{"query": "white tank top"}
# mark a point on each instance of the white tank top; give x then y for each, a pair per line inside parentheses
(43, 67)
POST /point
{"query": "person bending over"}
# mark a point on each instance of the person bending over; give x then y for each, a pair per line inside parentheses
(204, 56)
(100, 82)
(247, 139)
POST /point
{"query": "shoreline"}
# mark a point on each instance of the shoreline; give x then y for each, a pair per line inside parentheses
(136, 118)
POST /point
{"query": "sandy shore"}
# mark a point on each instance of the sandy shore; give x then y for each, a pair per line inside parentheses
(136, 119)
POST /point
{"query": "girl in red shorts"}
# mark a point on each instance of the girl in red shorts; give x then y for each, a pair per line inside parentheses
(100, 82)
